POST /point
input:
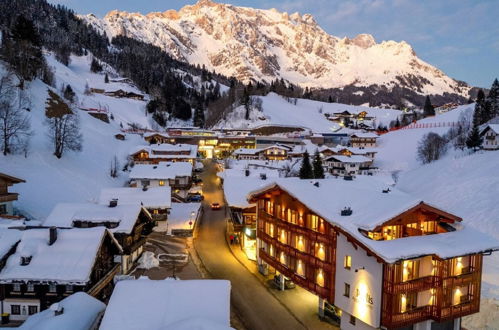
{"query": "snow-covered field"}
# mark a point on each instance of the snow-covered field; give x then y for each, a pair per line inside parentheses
(306, 113)
(76, 177)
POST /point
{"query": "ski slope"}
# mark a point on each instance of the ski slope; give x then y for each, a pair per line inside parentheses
(306, 113)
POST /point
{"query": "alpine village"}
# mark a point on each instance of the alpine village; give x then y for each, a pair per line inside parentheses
(213, 166)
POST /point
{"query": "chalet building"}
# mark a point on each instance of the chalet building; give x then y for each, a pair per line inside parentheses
(158, 200)
(6, 197)
(348, 165)
(159, 138)
(124, 94)
(129, 224)
(274, 152)
(50, 264)
(363, 140)
(176, 175)
(378, 257)
(339, 150)
(154, 154)
(490, 134)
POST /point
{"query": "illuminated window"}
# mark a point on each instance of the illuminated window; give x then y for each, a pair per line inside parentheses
(300, 268)
(346, 290)
(282, 259)
(155, 211)
(300, 243)
(292, 216)
(314, 222)
(320, 278)
(347, 263)
(429, 226)
(283, 236)
(320, 251)
(161, 182)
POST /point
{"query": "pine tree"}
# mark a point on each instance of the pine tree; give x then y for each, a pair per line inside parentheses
(69, 94)
(492, 101)
(198, 119)
(479, 108)
(428, 109)
(106, 79)
(474, 140)
(330, 99)
(306, 171)
(317, 166)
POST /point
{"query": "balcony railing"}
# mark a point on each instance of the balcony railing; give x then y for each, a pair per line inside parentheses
(419, 284)
(8, 197)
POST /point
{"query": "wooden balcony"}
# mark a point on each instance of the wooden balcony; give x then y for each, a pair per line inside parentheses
(103, 282)
(410, 317)
(8, 197)
(299, 280)
(419, 284)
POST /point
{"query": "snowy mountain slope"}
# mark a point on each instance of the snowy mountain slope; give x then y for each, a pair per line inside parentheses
(306, 113)
(397, 149)
(76, 177)
(266, 44)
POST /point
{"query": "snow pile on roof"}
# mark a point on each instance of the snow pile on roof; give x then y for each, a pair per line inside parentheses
(147, 261)
(169, 304)
(236, 189)
(81, 312)
(69, 259)
(64, 214)
(365, 135)
(8, 238)
(161, 171)
(350, 159)
(493, 127)
(247, 151)
(371, 208)
(157, 197)
(180, 216)
(166, 150)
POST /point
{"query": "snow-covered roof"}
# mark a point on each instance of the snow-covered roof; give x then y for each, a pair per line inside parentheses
(371, 208)
(69, 259)
(168, 304)
(236, 189)
(8, 238)
(493, 127)
(152, 198)
(81, 312)
(365, 135)
(149, 134)
(161, 171)
(64, 214)
(247, 151)
(349, 159)
(156, 150)
(181, 214)
(307, 145)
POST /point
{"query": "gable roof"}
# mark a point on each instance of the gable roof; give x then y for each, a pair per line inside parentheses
(168, 304)
(161, 171)
(365, 135)
(157, 197)
(64, 214)
(372, 208)
(70, 259)
(493, 127)
(11, 179)
(349, 159)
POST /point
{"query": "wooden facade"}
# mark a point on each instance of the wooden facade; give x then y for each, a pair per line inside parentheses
(6, 197)
(297, 243)
(416, 290)
(155, 156)
(34, 296)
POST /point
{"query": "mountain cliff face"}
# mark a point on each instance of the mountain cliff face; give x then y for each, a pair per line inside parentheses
(254, 44)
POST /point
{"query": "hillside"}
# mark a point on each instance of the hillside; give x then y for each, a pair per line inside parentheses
(263, 45)
(305, 113)
(76, 177)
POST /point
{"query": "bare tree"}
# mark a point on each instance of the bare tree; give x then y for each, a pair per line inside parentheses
(63, 126)
(15, 127)
(431, 147)
(113, 169)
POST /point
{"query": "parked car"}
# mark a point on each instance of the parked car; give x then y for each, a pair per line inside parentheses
(332, 314)
(215, 206)
(195, 198)
(288, 284)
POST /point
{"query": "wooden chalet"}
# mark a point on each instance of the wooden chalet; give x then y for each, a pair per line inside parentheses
(157, 153)
(6, 197)
(29, 282)
(397, 274)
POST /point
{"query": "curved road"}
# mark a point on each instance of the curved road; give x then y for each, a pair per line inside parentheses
(257, 307)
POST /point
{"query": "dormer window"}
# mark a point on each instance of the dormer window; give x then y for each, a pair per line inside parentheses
(31, 287)
(16, 287)
(25, 260)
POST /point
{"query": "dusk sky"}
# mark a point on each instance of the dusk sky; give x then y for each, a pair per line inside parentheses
(459, 37)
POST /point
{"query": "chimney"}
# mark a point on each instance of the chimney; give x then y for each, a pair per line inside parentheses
(113, 202)
(52, 235)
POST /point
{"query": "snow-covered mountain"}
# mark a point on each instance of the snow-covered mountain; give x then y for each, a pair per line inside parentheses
(256, 44)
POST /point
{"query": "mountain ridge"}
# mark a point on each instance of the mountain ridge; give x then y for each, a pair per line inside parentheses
(265, 44)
